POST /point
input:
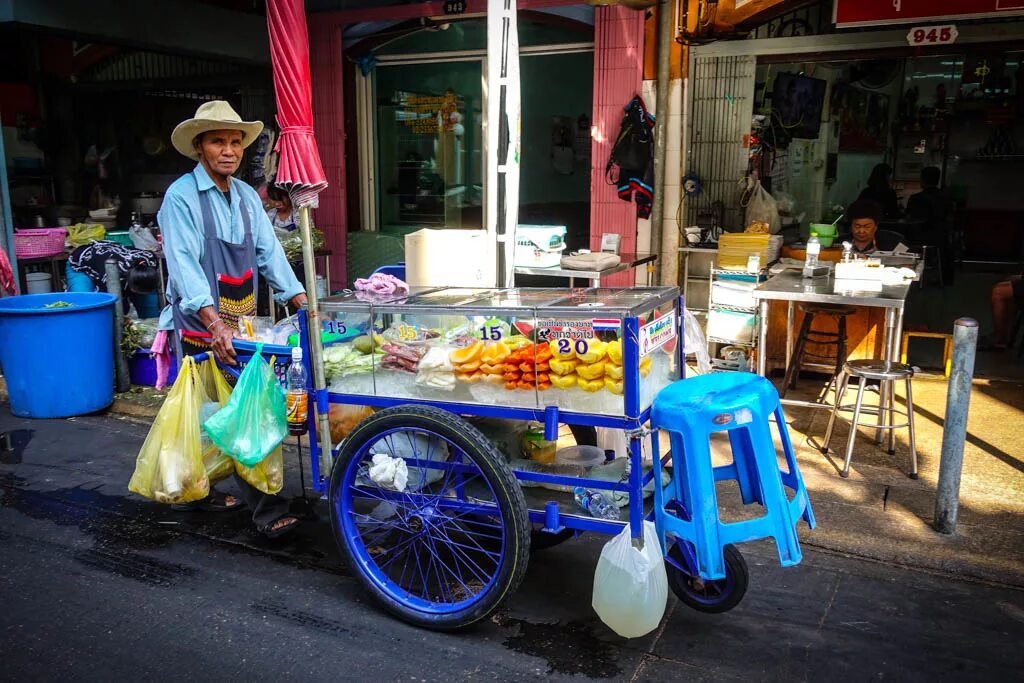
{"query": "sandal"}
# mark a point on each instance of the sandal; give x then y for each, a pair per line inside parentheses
(280, 526)
(215, 502)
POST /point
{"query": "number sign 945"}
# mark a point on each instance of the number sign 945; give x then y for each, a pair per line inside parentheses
(933, 35)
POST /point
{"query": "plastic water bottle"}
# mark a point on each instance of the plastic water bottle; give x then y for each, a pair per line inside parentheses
(596, 503)
(297, 399)
(811, 259)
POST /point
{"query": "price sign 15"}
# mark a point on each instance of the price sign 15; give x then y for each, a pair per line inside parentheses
(490, 333)
(933, 35)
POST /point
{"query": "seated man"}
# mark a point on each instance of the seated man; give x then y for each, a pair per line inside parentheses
(864, 215)
(1007, 300)
(933, 209)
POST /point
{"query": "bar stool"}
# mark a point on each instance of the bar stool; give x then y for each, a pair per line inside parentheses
(740, 403)
(931, 256)
(881, 371)
(810, 335)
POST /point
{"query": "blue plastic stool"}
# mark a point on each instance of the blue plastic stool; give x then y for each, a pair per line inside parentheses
(740, 403)
(394, 270)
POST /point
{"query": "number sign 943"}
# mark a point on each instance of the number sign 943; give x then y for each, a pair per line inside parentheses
(933, 35)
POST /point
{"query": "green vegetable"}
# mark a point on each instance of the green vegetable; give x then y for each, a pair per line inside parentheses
(59, 304)
(342, 360)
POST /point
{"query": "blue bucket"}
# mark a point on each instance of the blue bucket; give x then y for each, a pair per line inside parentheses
(45, 377)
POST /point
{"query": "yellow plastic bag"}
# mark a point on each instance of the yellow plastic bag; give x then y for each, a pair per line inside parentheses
(81, 234)
(268, 474)
(170, 466)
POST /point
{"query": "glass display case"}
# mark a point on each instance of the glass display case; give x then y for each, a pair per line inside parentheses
(595, 351)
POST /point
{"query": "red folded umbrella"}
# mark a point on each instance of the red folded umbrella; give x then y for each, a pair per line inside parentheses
(299, 170)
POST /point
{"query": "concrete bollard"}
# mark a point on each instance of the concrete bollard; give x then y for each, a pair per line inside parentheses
(954, 433)
(122, 382)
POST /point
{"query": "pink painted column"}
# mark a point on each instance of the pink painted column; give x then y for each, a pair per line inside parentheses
(618, 75)
(325, 65)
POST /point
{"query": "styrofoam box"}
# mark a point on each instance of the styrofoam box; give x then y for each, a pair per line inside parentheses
(727, 293)
(539, 246)
(450, 258)
(732, 325)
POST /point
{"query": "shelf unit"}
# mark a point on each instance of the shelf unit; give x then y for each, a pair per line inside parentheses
(714, 342)
(697, 262)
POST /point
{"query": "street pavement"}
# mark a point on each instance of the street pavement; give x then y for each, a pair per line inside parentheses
(97, 584)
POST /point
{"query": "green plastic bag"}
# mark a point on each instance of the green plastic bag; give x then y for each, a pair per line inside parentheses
(253, 423)
(267, 476)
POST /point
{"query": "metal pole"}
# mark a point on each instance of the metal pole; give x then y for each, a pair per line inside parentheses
(954, 432)
(316, 349)
(122, 382)
(665, 29)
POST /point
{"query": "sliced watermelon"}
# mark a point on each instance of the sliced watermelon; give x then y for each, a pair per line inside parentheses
(524, 328)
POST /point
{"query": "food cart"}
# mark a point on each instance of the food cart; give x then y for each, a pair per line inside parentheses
(426, 509)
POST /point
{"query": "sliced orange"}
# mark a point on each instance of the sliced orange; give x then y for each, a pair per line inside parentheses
(468, 354)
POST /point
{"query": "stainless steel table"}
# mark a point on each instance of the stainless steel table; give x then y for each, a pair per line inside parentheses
(791, 287)
(629, 262)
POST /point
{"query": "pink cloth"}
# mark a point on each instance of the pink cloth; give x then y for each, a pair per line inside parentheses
(161, 351)
(8, 283)
(380, 283)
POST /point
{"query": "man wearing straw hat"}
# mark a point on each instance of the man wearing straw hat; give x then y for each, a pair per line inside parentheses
(218, 241)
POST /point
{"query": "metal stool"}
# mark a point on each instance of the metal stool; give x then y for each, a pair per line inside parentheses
(881, 371)
(808, 334)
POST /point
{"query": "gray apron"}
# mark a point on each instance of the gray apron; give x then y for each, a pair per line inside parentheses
(229, 269)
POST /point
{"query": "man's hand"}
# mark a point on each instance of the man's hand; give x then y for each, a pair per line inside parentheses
(298, 301)
(223, 348)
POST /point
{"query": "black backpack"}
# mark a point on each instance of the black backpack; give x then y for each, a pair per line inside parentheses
(635, 142)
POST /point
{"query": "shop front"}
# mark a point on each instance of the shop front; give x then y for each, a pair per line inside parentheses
(920, 116)
(404, 136)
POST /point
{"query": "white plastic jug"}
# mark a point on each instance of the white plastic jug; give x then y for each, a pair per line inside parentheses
(630, 584)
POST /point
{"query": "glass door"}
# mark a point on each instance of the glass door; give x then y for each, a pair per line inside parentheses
(429, 145)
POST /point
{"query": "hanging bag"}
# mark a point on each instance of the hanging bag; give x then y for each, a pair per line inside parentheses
(170, 467)
(254, 422)
(630, 584)
(635, 142)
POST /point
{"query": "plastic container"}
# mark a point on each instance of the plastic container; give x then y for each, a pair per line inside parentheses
(39, 242)
(74, 378)
(142, 369)
(120, 236)
(38, 283)
(738, 294)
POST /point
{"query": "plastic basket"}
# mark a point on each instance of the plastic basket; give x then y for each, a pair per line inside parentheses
(39, 243)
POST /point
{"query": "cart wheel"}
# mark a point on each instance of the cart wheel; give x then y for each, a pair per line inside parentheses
(541, 540)
(715, 596)
(444, 552)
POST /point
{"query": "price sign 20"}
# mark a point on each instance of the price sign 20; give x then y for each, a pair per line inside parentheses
(933, 35)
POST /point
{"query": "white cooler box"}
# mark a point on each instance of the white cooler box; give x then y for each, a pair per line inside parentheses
(539, 246)
(732, 293)
(449, 258)
(732, 325)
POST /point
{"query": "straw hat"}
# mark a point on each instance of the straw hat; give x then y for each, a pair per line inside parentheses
(215, 115)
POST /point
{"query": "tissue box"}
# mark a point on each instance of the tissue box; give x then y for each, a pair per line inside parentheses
(862, 269)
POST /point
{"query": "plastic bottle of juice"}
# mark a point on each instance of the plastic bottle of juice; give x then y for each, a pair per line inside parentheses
(297, 400)
(596, 503)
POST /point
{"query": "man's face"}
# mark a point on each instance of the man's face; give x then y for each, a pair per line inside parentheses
(221, 151)
(864, 230)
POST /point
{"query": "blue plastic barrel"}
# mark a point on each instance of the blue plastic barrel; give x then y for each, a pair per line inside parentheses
(58, 362)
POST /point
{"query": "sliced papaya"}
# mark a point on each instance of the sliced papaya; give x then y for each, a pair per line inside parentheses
(468, 354)
(543, 386)
(510, 385)
(543, 377)
(512, 376)
(542, 367)
(525, 385)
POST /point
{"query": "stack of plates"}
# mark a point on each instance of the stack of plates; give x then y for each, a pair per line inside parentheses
(735, 247)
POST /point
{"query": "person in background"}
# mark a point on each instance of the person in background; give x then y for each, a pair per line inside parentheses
(880, 190)
(933, 209)
(86, 270)
(1007, 300)
(864, 216)
(217, 241)
(281, 213)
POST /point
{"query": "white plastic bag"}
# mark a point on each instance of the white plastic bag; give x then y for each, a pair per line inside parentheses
(142, 238)
(630, 584)
(695, 342)
(761, 208)
(391, 473)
